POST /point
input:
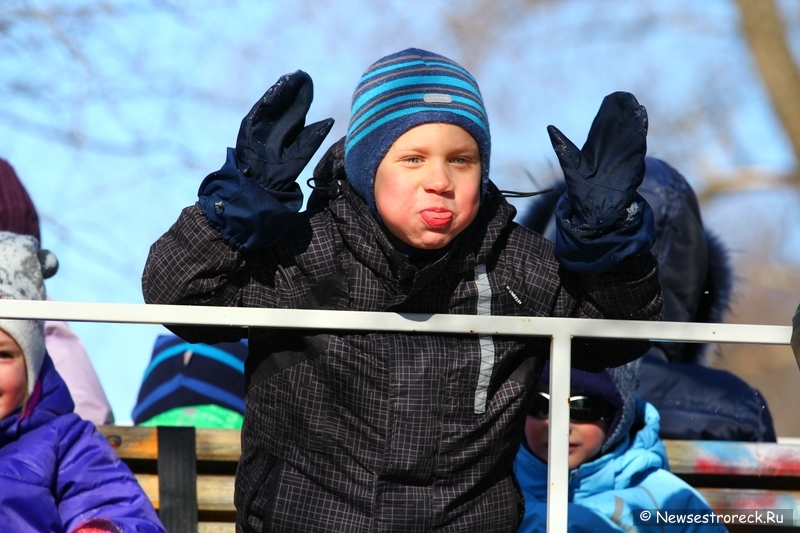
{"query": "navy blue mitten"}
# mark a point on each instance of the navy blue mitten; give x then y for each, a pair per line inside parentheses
(250, 199)
(273, 145)
(601, 219)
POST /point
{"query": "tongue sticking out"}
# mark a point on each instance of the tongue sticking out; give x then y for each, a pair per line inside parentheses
(435, 218)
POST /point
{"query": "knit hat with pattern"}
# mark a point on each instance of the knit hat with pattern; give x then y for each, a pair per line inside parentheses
(182, 374)
(23, 269)
(402, 91)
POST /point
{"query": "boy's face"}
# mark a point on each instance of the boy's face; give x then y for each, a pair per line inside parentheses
(427, 187)
(13, 377)
(585, 439)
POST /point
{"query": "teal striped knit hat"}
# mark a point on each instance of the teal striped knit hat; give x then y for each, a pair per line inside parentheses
(402, 91)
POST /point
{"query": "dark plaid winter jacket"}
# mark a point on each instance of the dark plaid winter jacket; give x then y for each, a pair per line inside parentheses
(372, 431)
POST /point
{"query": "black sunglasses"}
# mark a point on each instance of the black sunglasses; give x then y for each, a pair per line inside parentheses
(581, 408)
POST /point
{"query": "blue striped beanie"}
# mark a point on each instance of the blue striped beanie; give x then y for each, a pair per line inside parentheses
(402, 91)
(182, 374)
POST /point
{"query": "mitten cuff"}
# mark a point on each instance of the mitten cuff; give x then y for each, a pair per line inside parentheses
(97, 525)
(586, 250)
(248, 216)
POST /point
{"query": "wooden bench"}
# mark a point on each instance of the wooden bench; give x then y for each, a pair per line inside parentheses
(741, 475)
(202, 503)
(730, 475)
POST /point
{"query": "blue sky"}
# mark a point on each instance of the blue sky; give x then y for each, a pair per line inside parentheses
(162, 97)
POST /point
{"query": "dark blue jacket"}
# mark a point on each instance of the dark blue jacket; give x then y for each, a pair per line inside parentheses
(695, 401)
(701, 403)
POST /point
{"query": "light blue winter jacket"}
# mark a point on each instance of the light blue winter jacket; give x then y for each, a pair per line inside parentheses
(609, 493)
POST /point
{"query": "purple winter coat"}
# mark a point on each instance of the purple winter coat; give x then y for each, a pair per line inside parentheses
(57, 470)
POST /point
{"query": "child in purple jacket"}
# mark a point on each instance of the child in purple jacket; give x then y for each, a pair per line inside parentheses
(57, 472)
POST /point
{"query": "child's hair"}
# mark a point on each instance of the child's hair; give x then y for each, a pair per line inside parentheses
(617, 386)
(402, 91)
(23, 269)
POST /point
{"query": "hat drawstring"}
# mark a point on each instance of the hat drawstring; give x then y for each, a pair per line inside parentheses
(334, 186)
(518, 194)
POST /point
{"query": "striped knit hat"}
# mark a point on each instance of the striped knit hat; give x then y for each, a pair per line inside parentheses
(402, 91)
(182, 374)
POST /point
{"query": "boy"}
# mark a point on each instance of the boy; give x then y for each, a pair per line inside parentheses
(57, 472)
(372, 431)
(618, 464)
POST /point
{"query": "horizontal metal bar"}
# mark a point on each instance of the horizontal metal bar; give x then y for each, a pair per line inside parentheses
(377, 321)
(559, 329)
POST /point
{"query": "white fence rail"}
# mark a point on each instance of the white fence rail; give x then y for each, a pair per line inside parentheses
(560, 330)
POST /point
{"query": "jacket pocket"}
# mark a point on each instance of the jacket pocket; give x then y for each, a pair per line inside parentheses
(272, 351)
(261, 499)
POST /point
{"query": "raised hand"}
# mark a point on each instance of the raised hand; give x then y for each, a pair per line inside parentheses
(603, 176)
(273, 146)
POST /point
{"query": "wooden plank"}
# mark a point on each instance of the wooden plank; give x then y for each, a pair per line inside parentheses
(132, 442)
(733, 458)
(149, 483)
(685, 457)
(721, 498)
(218, 444)
(137, 442)
(216, 527)
(214, 493)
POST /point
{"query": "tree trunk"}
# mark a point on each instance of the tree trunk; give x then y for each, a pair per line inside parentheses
(765, 34)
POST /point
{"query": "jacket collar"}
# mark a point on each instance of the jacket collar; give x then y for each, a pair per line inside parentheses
(54, 401)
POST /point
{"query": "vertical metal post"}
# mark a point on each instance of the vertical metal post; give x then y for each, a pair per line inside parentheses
(558, 439)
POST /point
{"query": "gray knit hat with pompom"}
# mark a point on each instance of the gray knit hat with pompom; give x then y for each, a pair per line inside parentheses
(23, 269)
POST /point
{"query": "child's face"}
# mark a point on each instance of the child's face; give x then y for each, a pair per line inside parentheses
(427, 187)
(13, 376)
(585, 439)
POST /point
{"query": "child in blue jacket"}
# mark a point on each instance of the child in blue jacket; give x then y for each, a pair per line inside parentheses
(618, 464)
(57, 472)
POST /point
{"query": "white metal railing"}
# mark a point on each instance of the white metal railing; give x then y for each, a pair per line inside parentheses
(560, 330)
